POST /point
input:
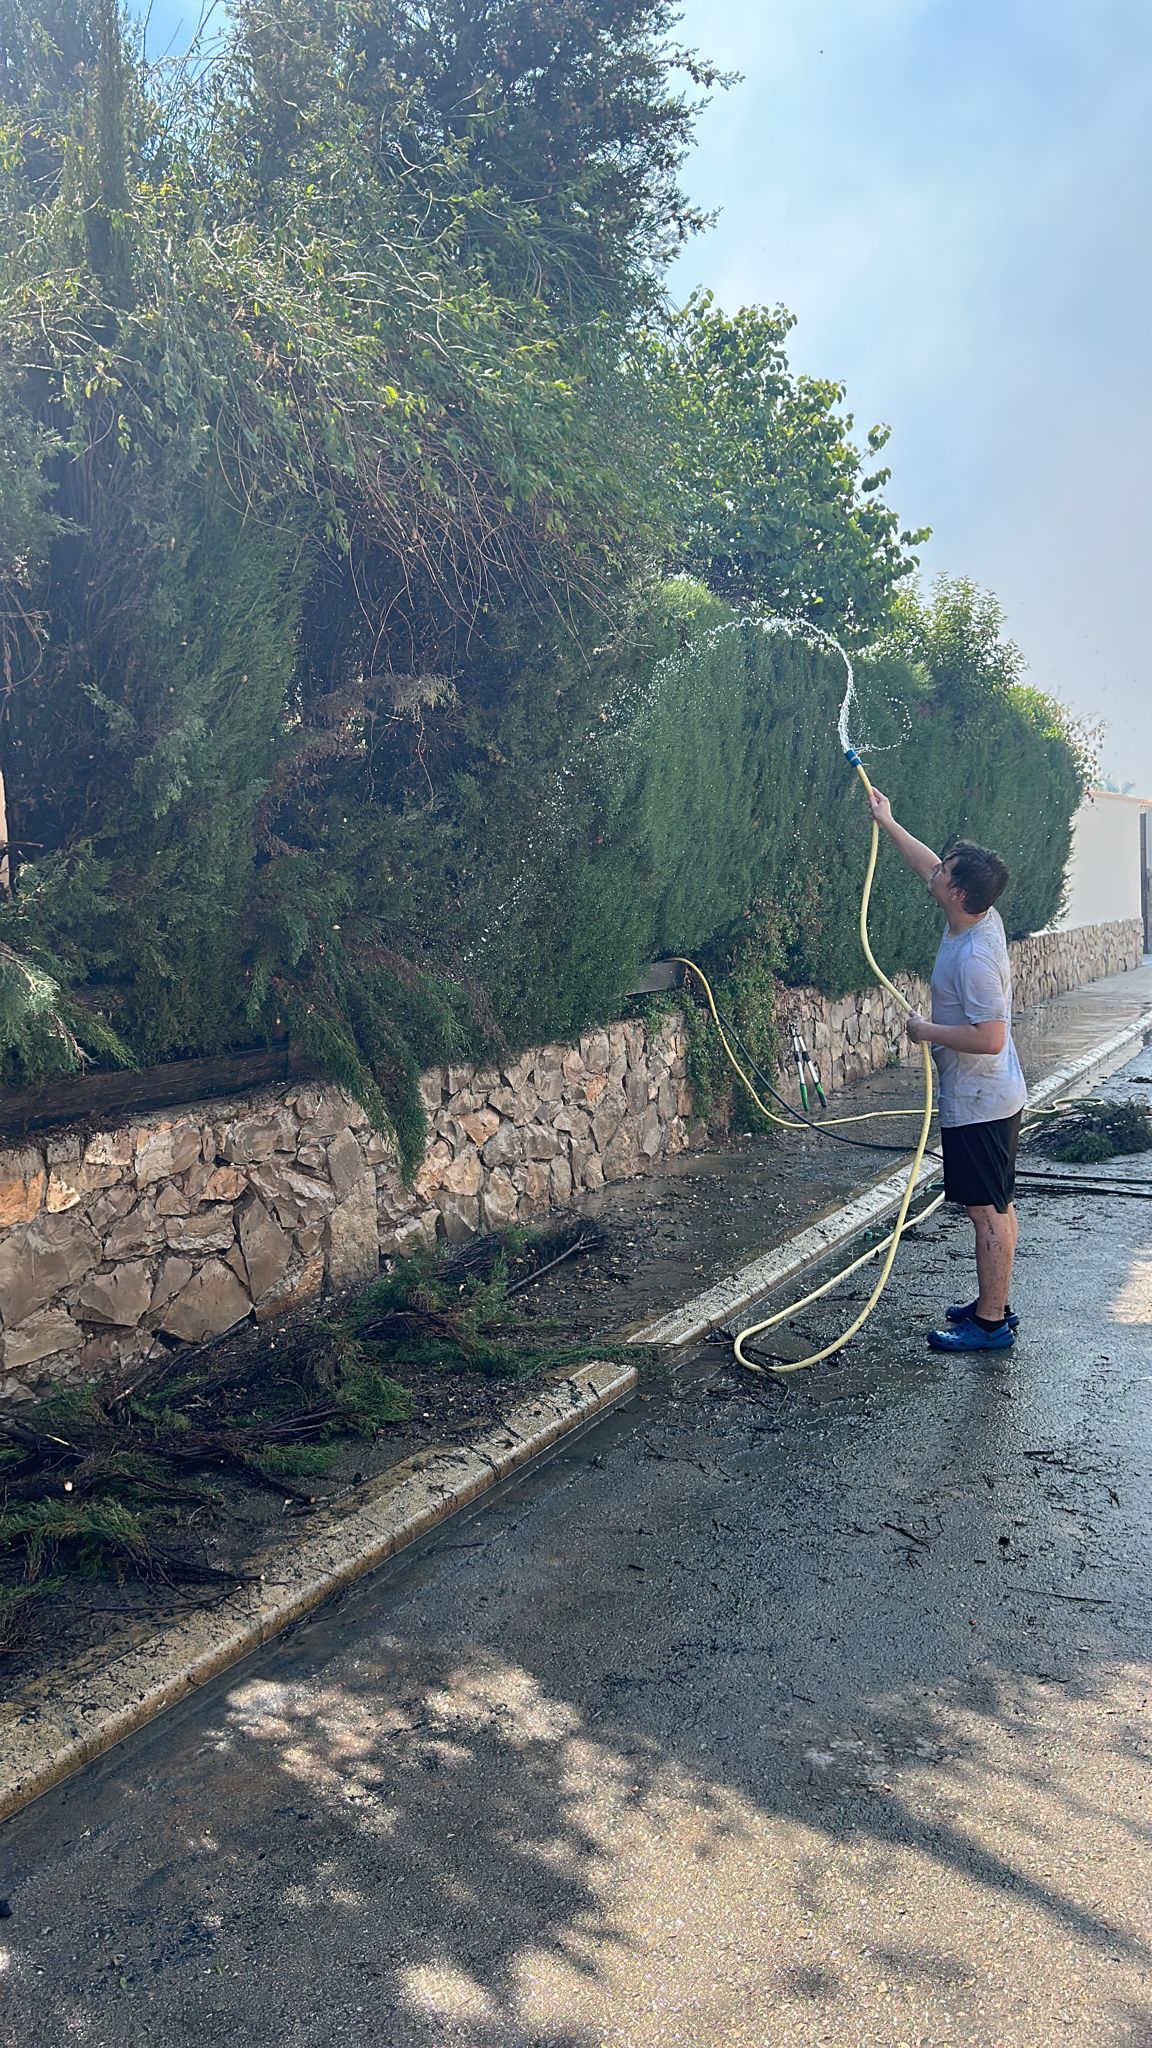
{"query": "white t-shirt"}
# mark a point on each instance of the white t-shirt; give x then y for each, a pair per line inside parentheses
(972, 984)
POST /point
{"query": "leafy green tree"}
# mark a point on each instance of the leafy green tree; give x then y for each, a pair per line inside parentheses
(339, 696)
(309, 395)
(772, 503)
(543, 138)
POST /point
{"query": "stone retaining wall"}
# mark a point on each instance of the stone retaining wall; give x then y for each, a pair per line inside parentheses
(175, 1226)
(1053, 962)
(858, 1033)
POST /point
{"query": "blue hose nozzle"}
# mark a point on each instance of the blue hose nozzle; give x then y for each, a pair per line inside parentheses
(852, 757)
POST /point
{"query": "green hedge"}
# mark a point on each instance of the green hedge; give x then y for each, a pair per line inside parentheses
(713, 801)
(681, 790)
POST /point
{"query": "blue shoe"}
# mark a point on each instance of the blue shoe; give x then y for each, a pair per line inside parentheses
(961, 1313)
(968, 1336)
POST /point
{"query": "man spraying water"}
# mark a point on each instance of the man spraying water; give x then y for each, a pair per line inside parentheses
(982, 1088)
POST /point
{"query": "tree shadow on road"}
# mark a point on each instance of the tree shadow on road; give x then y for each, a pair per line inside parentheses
(773, 1730)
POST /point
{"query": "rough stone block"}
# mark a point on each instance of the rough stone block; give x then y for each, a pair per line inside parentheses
(504, 1147)
(63, 1148)
(224, 1184)
(122, 1297)
(534, 1181)
(345, 1162)
(499, 1201)
(211, 1302)
(214, 1230)
(38, 1260)
(174, 1274)
(582, 1153)
(594, 1052)
(460, 1215)
(23, 1179)
(636, 1090)
(295, 1289)
(621, 1159)
(39, 1336)
(110, 1149)
(432, 1170)
(432, 1089)
(62, 1192)
(605, 1125)
(109, 1207)
(480, 1125)
(450, 1131)
(334, 1112)
(413, 1232)
(548, 1076)
(252, 1140)
(651, 1133)
(541, 1142)
(109, 1351)
(166, 1150)
(235, 1259)
(464, 1175)
(141, 1230)
(296, 1197)
(266, 1248)
(464, 1102)
(354, 1235)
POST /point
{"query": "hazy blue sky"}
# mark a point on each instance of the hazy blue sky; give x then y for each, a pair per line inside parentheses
(953, 198)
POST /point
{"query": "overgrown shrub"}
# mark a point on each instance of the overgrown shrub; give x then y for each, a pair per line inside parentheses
(342, 693)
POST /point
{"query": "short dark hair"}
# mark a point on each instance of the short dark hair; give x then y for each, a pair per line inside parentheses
(979, 875)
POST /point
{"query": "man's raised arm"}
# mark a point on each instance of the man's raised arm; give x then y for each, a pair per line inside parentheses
(920, 858)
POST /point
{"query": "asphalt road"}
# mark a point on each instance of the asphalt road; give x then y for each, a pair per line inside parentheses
(759, 1718)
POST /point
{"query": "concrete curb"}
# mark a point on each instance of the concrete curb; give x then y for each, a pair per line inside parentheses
(873, 1205)
(44, 1744)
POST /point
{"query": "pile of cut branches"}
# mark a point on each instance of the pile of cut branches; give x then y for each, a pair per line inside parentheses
(458, 1314)
(1093, 1131)
(131, 1485)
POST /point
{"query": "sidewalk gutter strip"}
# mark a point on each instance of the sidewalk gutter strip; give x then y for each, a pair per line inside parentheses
(773, 1269)
(40, 1745)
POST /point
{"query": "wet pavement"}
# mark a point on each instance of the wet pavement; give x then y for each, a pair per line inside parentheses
(676, 1232)
(764, 1716)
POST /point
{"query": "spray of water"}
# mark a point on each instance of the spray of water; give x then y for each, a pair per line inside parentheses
(803, 629)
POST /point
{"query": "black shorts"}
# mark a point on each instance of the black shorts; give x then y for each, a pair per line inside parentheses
(980, 1162)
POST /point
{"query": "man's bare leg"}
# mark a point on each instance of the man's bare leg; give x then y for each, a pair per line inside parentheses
(996, 1235)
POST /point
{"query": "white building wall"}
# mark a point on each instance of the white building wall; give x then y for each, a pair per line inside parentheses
(1103, 879)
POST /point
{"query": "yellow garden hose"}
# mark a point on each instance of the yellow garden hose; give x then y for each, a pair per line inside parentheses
(890, 1244)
